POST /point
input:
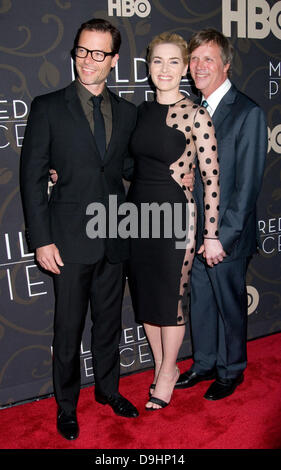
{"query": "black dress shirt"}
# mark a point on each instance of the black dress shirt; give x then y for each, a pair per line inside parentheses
(87, 105)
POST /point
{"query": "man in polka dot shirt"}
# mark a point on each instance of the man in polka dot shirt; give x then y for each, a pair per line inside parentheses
(218, 294)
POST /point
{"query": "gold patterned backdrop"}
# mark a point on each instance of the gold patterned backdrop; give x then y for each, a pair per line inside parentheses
(36, 37)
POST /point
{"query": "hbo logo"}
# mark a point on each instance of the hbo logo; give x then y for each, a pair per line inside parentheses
(253, 299)
(141, 8)
(274, 139)
(254, 18)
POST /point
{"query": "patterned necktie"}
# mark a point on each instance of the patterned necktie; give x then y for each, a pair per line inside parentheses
(99, 127)
(204, 104)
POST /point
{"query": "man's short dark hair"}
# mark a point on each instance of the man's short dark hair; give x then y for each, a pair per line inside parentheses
(98, 24)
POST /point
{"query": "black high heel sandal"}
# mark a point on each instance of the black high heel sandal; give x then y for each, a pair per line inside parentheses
(153, 385)
(158, 401)
(153, 388)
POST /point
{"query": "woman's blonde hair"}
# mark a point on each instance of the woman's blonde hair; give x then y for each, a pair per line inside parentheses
(168, 38)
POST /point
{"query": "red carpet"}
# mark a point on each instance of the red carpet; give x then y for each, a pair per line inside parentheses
(249, 419)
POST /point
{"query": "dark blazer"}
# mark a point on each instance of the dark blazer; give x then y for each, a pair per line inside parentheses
(58, 136)
(241, 133)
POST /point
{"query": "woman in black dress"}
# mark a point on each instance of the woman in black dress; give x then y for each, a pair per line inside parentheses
(170, 132)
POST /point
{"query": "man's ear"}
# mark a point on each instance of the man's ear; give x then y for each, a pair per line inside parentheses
(114, 60)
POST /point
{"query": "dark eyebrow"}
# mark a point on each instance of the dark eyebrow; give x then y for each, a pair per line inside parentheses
(170, 58)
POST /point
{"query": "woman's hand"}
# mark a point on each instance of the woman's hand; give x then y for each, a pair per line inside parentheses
(189, 179)
(212, 251)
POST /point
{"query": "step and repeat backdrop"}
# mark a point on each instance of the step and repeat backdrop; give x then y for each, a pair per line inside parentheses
(36, 37)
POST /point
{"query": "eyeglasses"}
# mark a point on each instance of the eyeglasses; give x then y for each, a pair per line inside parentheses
(98, 56)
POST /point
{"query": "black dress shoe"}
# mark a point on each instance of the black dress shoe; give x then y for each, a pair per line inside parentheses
(190, 378)
(120, 405)
(222, 388)
(67, 425)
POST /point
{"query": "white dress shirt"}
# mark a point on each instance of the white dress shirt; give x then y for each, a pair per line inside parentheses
(215, 98)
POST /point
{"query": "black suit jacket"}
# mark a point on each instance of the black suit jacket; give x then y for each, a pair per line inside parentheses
(58, 136)
(241, 133)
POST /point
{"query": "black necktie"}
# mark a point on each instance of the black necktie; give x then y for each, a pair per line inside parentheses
(99, 127)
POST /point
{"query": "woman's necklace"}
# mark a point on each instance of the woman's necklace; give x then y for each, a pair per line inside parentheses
(172, 104)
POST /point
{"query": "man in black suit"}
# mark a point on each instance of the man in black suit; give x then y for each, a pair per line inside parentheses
(87, 143)
(218, 293)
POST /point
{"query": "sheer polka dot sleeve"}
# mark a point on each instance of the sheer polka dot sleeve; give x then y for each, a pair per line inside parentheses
(203, 134)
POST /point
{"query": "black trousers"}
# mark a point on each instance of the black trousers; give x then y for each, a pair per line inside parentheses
(101, 285)
(219, 317)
